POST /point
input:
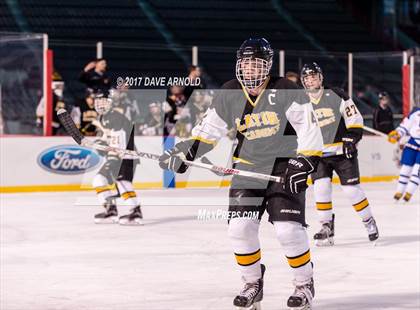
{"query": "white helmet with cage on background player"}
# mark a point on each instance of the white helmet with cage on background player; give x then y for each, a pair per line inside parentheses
(254, 61)
(102, 103)
(310, 70)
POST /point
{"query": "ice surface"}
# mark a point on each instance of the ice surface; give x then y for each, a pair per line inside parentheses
(54, 257)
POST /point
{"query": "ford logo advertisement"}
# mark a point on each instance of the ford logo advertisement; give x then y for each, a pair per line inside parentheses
(68, 159)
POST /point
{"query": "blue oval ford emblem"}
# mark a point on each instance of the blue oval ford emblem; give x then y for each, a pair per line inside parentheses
(68, 159)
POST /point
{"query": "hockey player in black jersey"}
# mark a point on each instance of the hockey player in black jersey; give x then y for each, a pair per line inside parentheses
(277, 135)
(117, 171)
(341, 125)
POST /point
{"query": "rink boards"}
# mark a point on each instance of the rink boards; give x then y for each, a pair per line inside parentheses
(57, 163)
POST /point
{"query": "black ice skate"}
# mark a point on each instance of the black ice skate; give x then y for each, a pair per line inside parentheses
(110, 215)
(372, 229)
(251, 295)
(325, 237)
(301, 298)
(133, 218)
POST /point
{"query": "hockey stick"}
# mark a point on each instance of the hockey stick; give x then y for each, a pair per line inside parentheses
(375, 132)
(72, 130)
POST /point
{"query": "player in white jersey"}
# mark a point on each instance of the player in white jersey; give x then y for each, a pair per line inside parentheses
(409, 178)
(117, 172)
(277, 135)
(341, 125)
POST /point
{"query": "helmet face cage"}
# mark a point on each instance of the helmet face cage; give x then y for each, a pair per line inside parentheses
(320, 76)
(252, 72)
(103, 105)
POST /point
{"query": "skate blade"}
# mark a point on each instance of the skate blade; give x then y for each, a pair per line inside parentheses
(324, 243)
(110, 220)
(255, 306)
(131, 223)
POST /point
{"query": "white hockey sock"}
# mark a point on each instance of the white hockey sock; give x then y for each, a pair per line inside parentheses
(127, 192)
(405, 173)
(323, 197)
(358, 199)
(243, 235)
(414, 180)
(295, 243)
(103, 189)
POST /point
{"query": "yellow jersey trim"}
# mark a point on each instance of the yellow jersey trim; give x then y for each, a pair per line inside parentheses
(310, 153)
(204, 140)
(258, 97)
(354, 126)
(333, 144)
(240, 160)
(316, 100)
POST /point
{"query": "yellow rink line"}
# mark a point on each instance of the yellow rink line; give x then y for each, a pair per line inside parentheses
(68, 187)
(379, 178)
(190, 184)
(153, 185)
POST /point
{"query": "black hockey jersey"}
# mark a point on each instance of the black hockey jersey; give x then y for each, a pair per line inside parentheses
(338, 116)
(88, 114)
(277, 124)
(117, 130)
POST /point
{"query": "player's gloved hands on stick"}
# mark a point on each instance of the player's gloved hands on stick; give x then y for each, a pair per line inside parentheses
(173, 159)
(349, 147)
(96, 144)
(86, 142)
(297, 172)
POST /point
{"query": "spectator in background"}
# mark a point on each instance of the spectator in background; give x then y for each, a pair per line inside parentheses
(383, 120)
(58, 103)
(84, 114)
(175, 101)
(292, 76)
(194, 75)
(368, 94)
(183, 125)
(198, 105)
(153, 125)
(94, 76)
(124, 103)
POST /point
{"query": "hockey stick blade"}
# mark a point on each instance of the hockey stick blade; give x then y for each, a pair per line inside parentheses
(69, 125)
